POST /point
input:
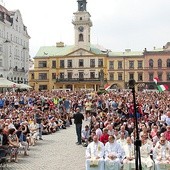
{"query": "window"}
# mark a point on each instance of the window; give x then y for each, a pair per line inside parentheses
(81, 37)
(168, 63)
(62, 75)
(140, 64)
(32, 75)
(150, 63)
(92, 62)
(100, 63)
(61, 63)
(159, 63)
(168, 76)
(1, 16)
(81, 62)
(53, 64)
(140, 77)
(1, 49)
(69, 75)
(81, 76)
(42, 87)
(111, 65)
(119, 64)
(119, 76)
(131, 64)
(160, 76)
(69, 64)
(131, 76)
(53, 76)
(92, 75)
(1, 63)
(42, 64)
(111, 76)
(43, 76)
(150, 76)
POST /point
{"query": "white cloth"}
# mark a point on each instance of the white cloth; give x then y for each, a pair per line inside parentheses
(94, 150)
(98, 133)
(129, 153)
(163, 152)
(113, 149)
(122, 142)
(147, 162)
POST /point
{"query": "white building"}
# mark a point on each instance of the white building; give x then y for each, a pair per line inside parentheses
(14, 46)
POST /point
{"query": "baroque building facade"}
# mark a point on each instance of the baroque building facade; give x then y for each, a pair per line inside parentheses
(80, 66)
(14, 46)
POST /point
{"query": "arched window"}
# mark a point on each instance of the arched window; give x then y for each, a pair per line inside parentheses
(168, 63)
(150, 63)
(81, 37)
(159, 63)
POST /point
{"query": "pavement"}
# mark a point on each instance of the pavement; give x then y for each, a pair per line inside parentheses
(57, 151)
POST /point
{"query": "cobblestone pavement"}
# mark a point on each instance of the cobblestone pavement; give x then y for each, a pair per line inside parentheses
(57, 151)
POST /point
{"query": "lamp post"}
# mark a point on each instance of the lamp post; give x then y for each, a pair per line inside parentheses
(101, 77)
(138, 164)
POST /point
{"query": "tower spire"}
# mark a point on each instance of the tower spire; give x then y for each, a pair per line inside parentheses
(81, 5)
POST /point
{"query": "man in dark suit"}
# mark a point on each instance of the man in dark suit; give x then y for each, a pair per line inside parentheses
(78, 118)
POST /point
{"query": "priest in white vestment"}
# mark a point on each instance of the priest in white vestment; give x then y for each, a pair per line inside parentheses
(145, 150)
(113, 154)
(129, 160)
(122, 139)
(94, 155)
(161, 154)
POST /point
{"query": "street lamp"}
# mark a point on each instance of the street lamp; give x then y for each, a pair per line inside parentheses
(137, 141)
(101, 77)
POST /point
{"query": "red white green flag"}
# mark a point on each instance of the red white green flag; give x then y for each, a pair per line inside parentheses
(156, 80)
(106, 86)
(162, 88)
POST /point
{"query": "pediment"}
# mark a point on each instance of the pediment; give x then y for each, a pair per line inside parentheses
(81, 52)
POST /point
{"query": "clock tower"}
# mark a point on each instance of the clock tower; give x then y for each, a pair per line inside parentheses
(82, 24)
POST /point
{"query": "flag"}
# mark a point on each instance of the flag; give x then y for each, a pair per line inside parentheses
(156, 80)
(162, 88)
(106, 86)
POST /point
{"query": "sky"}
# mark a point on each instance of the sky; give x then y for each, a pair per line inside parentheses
(117, 24)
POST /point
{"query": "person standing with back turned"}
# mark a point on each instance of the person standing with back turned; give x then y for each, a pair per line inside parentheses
(78, 117)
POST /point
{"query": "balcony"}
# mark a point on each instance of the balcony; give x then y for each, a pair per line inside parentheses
(19, 70)
(77, 80)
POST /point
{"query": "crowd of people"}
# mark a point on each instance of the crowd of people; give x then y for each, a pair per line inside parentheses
(109, 134)
(26, 116)
(112, 131)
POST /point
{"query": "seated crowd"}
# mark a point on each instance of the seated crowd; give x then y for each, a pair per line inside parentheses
(112, 134)
(25, 118)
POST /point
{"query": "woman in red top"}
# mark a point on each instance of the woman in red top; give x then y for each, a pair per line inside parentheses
(104, 137)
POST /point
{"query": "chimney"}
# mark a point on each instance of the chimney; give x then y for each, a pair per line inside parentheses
(59, 44)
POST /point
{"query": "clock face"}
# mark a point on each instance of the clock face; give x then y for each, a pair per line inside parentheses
(81, 28)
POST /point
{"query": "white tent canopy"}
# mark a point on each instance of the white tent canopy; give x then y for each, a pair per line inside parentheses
(8, 84)
(25, 86)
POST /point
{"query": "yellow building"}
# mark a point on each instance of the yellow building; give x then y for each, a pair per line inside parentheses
(80, 66)
(63, 67)
(123, 66)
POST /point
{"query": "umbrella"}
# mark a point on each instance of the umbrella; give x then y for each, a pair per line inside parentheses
(9, 84)
(25, 86)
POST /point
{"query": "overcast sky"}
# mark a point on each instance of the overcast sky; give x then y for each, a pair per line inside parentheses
(117, 24)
